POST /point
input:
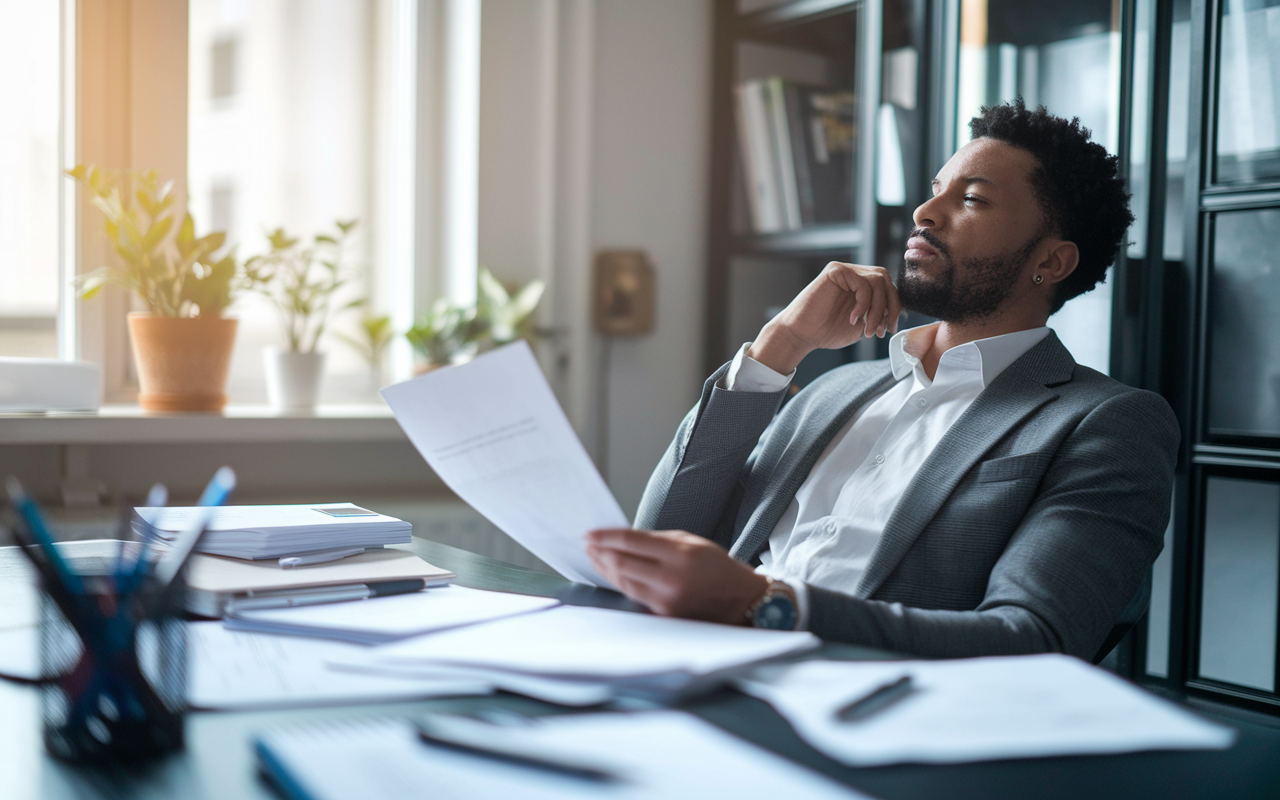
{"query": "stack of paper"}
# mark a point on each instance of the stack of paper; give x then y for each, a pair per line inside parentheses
(657, 754)
(978, 709)
(387, 619)
(276, 531)
(634, 654)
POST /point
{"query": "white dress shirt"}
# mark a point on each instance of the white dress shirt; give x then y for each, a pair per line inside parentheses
(827, 534)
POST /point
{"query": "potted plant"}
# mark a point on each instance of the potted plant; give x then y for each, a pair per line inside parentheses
(375, 337)
(300, 281)
(442, 335)
(448, 333)
(505, 315)
(182, 343)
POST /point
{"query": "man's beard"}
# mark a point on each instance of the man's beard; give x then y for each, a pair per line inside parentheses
(988, 283)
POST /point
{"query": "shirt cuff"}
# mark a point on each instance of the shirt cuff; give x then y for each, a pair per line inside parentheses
(748, 375)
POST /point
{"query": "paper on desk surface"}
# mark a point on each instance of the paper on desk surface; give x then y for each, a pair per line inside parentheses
(385, 619)
(576, 641)
(233, 669)
(979, 709)
(494, 433)
(666, 755)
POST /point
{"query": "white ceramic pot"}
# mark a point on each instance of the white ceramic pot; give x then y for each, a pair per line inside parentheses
(293, 379)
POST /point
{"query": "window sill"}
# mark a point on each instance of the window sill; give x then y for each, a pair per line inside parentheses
(129, 424)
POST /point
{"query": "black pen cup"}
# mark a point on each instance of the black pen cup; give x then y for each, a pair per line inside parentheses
(114, 662)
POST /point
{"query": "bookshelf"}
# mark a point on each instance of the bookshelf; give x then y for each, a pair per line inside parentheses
(816, 65)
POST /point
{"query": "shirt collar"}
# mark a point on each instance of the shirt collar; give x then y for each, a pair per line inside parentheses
(992, 355)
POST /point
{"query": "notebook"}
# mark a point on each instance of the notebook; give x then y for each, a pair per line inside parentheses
(214, 580)
(255, 532)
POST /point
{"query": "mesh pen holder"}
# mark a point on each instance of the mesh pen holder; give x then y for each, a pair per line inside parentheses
(114, 680)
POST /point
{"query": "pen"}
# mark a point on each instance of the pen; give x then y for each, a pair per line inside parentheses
(30, 514)
(326, 594)
(322, 557)
(215, 494)
(474, 739)
(883, 697)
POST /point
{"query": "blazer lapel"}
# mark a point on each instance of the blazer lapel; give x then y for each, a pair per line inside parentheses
(795, 456)
(1016, 393)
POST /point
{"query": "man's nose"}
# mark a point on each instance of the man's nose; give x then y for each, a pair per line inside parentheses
(925, 215)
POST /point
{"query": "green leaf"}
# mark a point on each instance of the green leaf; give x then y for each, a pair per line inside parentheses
(156, 233)
(320, 237)
(78, 171)
(345, 227)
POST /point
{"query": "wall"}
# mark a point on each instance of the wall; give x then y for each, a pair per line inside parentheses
(594, 135)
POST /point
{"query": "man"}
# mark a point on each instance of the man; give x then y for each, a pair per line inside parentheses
(976, 493)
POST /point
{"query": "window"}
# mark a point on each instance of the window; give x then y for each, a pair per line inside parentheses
(283, 119)
(30, 160)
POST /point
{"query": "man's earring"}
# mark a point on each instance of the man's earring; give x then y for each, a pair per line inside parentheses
(1039, 279)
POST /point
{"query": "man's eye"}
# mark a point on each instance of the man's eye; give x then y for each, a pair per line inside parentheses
(969, 198)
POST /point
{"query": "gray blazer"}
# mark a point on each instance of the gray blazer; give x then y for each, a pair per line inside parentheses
(1028, 529)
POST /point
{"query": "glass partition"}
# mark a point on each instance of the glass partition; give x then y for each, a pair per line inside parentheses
(1244, 345)
(1239, 588)
(1248, 131)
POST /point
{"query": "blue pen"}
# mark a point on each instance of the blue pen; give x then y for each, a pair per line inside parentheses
(158, 496)
(215, 494)
(31, 515)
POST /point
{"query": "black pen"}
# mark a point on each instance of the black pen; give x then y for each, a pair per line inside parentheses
(881, 698)
(456, 736)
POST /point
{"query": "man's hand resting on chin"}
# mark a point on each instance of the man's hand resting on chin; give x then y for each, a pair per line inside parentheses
(676, 573)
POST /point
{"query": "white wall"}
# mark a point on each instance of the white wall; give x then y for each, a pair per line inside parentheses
(594, 135)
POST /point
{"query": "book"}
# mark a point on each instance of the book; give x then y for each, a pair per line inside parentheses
(783, 155)
(272, 531)
(830, 156)
(213, 581)
(798, 144)
(755, 139)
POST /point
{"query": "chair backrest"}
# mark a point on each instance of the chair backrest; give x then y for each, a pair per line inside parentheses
(1128, 618)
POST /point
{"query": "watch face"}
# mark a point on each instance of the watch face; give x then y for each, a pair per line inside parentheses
(777, 613)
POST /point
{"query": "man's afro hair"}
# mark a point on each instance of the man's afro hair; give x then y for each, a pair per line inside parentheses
(1077, 183)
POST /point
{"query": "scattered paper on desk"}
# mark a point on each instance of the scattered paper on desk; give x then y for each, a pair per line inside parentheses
(20, 651)
(386, 619)
(666, 755)
(494, 433)
(637, 653)
(979, 709)
(233, 669)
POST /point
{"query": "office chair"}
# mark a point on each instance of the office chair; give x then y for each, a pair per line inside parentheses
(1128, 618)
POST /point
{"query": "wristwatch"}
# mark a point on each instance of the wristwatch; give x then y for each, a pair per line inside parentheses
(776, 609)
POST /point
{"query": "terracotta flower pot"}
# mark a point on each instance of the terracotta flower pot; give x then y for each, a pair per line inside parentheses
(182, 361)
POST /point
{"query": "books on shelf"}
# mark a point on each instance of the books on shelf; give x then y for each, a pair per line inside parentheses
(798, 146)
(256, 532)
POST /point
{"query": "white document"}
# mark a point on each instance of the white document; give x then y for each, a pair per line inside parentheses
(579, 642)
(386, 619)
(20, 651)
(233, 669)
(665, 755)
(494, 433)
(979, 709)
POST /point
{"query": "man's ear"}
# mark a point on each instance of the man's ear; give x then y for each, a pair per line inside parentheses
(1061, 261)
